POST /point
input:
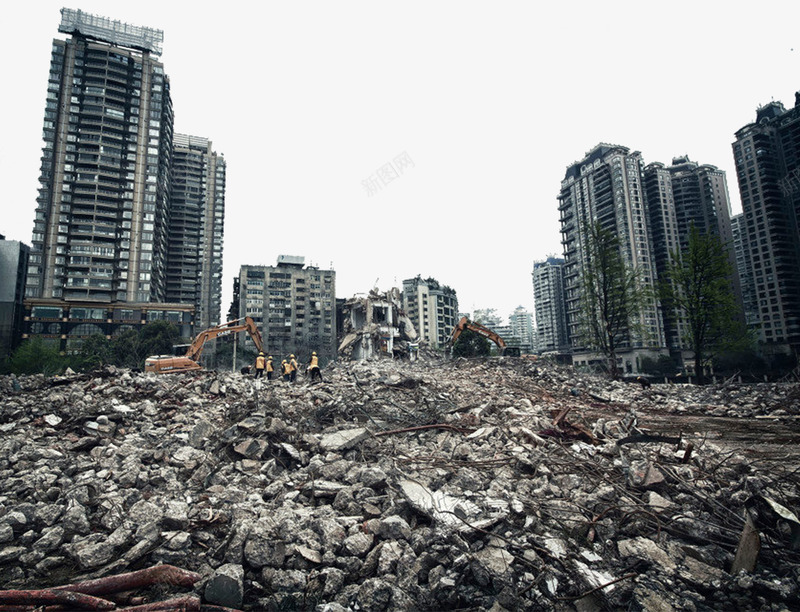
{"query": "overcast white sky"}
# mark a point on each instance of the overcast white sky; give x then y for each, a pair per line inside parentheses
(491, 102)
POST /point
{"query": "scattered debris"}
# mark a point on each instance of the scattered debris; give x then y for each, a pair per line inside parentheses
(488, 484)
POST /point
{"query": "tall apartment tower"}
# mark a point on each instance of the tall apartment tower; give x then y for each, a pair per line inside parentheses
(549, 306)
(197, 215)
(521, 323)
(745, 270)
(100, 231)
(293, 305)
(679, 196)
(767, 156)
(432, 307)
(607, 187)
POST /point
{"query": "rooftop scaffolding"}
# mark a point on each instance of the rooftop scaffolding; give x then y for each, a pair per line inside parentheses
(114, 32)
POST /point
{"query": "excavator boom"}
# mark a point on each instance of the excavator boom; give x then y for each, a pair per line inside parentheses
(163, 364)
(465, 323)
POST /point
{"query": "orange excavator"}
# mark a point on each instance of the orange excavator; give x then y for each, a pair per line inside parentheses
(465, 323)
(169, 364)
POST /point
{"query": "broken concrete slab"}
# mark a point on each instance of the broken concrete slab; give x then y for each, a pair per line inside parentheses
(342, 440)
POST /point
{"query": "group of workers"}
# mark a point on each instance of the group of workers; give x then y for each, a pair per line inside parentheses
(288, 368)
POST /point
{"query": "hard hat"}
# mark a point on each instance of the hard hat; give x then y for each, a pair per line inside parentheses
(261, 353)
(313, 352)
(291, 356)
(270, 357)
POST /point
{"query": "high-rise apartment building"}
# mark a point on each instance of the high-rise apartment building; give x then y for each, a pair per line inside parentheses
(745, 271)
(293, 306)
(521, 323)
(432, 307)
(13, 268)
(607, 187)
(129, 220)
(680, 196)
(767, 156)
(100, 231)
(549, 306)
(196, 223)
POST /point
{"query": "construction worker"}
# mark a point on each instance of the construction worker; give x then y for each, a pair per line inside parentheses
(313, 367)
(270, 368)
(292, 368)
(285, 370)
(261, 363)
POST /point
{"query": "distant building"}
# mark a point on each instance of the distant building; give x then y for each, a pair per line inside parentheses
(549, 306)
(745, 270)
(195, 230)
(680, 196)
(65, 324)
(607, 187)
(432, 308)
(293, 305)
(767, 156)
(13, 268)
(521, 324)
(375, 325)
(488, 317)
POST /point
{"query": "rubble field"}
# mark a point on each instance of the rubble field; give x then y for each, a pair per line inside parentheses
(489, 484)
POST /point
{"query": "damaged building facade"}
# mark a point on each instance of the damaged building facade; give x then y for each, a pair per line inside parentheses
(432, 307)
(376, 325)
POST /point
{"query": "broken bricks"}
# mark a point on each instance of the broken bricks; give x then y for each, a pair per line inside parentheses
(394, 486)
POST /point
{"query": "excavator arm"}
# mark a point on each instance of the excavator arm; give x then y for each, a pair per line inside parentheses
(190, 361)
(465, 323)
(231, 327)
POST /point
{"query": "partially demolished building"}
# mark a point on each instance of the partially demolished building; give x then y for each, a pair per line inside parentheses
(375, 325)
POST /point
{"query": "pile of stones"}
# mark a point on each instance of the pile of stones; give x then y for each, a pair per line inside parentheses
(394, 486)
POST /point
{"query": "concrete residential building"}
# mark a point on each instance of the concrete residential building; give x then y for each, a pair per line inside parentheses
(13, 268)
(767, 156)
(293, 306)
(488, 317)
(521, 324)
(196, 224)
(433, 308)
(680, 196)
(101, 221)
(607, 187)
(550, 306)
(745, 270)
(99, 258)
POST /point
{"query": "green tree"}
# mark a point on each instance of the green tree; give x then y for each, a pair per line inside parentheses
(471, 344)
(157, 338)
(612, 296)
(96, 350)
(125, 348)
(698, 286)
(34, 356)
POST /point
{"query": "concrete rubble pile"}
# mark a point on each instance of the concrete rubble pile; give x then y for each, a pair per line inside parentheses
(470, 484)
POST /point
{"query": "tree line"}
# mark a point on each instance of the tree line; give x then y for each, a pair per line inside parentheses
(128, 350)
(695, 289)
